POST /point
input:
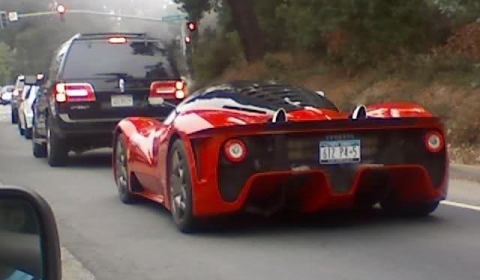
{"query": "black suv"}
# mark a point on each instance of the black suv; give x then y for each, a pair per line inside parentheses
(96, 80)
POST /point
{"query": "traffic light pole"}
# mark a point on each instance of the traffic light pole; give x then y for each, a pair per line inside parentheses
(87, 12)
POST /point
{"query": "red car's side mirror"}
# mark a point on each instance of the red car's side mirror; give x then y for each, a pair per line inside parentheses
(29, 242)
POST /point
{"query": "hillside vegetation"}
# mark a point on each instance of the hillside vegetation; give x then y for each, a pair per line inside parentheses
(363, 51)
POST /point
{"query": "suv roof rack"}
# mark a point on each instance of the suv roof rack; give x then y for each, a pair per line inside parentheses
(106, 34)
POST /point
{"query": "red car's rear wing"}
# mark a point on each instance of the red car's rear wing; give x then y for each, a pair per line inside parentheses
(324, 125)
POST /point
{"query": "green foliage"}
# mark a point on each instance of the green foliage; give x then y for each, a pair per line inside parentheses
(195, 8)
(374, 29)
(6, 58)
(427, 68)
(225, 19)
(275, 67)
(214, 54)
(306, 20)
(465, 10)
(272, 25)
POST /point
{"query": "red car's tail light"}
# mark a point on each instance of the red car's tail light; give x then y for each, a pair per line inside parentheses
(235, 150)
(434, 141)
(167, 90)
(74, 92)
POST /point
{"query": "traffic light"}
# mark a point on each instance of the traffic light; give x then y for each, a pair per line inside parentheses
(192, 26)
(3, 19)
(61, 11)
(188, 39)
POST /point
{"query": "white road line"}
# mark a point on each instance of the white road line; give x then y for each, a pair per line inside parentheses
(461, 205)
(72, 268)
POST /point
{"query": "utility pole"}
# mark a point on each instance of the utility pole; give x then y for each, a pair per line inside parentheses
(60, 9)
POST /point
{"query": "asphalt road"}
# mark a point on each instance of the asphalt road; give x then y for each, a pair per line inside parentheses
(115, 241)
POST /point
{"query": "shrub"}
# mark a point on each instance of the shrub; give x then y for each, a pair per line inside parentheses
(215, 54)
(465, 121)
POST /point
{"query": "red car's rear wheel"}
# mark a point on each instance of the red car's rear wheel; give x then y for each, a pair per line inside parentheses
(180, 184)
(393, 208)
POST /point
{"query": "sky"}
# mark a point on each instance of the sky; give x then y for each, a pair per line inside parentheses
(146, 8)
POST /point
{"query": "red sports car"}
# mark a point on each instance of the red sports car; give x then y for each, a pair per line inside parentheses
(263, 147)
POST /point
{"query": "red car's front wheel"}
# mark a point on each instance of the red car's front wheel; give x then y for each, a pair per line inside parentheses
(180, 184)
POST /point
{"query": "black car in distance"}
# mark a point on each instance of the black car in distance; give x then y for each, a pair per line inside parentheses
(96, 80)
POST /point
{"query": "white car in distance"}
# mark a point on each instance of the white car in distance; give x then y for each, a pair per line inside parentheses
(25, 111)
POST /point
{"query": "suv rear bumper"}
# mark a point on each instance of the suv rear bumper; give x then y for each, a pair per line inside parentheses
(90, 132)
(93, 131)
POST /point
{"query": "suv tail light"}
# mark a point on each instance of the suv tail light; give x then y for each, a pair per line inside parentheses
(74, 92)
(117, 40)
(160, 90)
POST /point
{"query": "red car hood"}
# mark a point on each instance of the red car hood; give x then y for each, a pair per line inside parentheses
(207, 118)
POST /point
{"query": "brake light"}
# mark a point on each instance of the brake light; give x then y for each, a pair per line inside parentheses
(160, 90)
(117, 40)
(74, 92)
(235, 150)
(434, 141)
(179, 85)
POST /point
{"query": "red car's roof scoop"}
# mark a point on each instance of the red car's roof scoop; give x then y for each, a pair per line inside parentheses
(280, 116)
(360, 113)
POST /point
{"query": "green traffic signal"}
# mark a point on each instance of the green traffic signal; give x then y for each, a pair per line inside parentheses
(3, 19)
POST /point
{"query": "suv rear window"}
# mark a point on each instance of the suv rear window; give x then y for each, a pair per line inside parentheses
(137, 59)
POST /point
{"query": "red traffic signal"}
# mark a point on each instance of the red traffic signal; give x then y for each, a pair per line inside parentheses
(188, 40)
(61, 9)
(192, 26)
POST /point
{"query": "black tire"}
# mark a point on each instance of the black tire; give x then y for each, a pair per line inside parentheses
(39, 150)
(21, 131)
(57, 152)
(180, 189)
(14, 117)
(394, 209)
(122, 173)
(27, 132)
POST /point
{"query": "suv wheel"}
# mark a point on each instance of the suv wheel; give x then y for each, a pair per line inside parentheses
(27, 132)
(57, 152)
(14, 117)
(39, 149)
(20, 129)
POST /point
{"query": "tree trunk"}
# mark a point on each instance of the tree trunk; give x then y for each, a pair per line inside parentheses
(248, 28)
